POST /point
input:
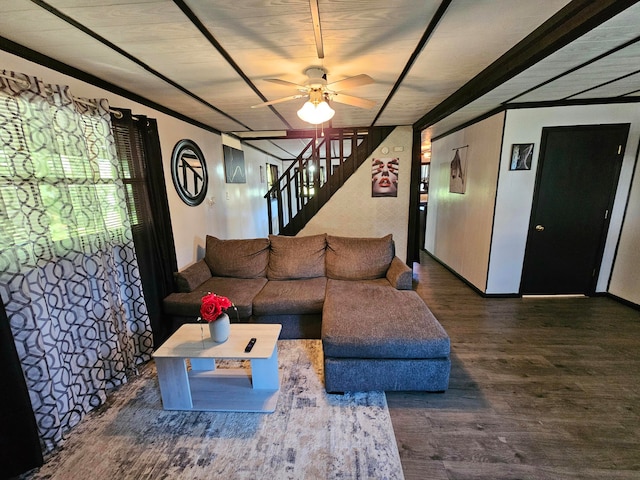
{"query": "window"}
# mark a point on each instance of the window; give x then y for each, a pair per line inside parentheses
(68, 181)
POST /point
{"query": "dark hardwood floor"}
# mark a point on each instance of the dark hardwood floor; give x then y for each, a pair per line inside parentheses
(539, 389)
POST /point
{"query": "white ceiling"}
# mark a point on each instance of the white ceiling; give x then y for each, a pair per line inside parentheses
(208, 59)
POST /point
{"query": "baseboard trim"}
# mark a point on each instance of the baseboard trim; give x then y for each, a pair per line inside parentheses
(616, 298)
(621, 300)
(469, 284)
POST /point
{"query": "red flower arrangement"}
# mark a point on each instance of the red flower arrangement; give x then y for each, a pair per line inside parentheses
(212, 306)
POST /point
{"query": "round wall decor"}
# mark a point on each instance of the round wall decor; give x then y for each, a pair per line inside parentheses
(189, 172)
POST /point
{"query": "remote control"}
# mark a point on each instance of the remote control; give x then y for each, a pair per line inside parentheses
(250, 345)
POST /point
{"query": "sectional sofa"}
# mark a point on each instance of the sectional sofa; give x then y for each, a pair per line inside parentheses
(353, 293)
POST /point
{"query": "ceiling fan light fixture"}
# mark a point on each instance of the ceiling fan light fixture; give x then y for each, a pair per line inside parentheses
(316, 113)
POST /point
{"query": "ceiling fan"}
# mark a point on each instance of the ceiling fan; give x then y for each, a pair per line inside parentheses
(317, 90)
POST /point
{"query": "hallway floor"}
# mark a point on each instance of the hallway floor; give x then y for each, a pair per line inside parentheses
(539, 389)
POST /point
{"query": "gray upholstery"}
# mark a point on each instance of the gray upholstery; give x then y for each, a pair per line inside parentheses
(363, 374)
(285, 297)
(237, 258)
(241, 292)
(192, 277)
(397, 323)
(296, 257)
(294, 326)
(399, 275)
(354, 293)
(359, 258)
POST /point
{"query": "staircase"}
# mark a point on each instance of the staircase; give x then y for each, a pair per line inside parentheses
(319, 171)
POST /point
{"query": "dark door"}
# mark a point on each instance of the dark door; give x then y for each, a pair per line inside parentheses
(577, 177)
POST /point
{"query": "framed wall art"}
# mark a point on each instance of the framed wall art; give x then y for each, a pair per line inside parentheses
(521, 156)
(189, 172)
(458, 171)
(234, 165)
(384, 177)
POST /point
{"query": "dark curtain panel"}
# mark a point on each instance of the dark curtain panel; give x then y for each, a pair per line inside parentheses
(138, 147)
(19, 440)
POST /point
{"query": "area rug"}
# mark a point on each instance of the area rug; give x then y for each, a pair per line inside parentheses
(311, 435)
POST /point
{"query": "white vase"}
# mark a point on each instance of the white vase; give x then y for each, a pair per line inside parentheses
(220, 328)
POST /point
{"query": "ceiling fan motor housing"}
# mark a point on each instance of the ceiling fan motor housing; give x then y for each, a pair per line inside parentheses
(317, 78)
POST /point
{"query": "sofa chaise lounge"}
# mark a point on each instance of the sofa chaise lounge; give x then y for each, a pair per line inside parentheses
(353, 293)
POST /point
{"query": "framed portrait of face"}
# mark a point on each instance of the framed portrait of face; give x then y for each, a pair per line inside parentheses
(384, 177)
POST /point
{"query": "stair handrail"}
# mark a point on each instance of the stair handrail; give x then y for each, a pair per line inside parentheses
(296, 181)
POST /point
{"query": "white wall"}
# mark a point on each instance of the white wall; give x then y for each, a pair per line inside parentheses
(352, 212)
(515, 194)
(625, 279)
(229, 211)
(458, 230)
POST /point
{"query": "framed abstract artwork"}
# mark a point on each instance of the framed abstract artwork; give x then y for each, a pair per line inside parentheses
(189, 172)
(234, 165)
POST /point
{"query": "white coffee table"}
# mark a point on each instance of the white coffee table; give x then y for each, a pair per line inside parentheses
(205, 387)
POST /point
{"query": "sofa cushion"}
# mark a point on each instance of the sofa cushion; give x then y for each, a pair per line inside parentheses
(192, 277)
(296, 257)
(371, 319)
(358, 258)
(241, 292)
(400, 275)
(246, 258)
(303, 296)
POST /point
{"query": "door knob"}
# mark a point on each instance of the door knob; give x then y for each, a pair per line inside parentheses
(539, 228)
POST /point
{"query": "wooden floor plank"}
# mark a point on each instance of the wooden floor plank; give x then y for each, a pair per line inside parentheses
(540, 388)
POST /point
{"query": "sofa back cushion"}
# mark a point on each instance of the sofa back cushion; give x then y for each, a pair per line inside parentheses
(359, 258)
(237, 258)
(296, 257)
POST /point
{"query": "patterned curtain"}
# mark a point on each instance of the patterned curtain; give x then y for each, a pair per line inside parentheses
(138, 146)
(68, 272)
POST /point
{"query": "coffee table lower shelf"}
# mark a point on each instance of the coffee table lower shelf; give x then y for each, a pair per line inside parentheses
(229, 390)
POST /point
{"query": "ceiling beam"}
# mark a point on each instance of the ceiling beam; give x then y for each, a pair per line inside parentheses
(212, 40)
(423, 41)
(36, 57)
(74, 23)
(299, 133)
(575, 68)
(574, 20)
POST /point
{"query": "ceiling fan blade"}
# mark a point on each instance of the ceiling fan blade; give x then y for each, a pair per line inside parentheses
(280, 100)
(350, 82)
(353, 101)
(317, 30)
(284, 82)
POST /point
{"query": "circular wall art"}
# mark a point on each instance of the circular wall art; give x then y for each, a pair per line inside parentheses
(189, 172)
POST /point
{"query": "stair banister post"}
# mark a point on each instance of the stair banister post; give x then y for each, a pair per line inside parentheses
(269, 212)
(280, 209)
